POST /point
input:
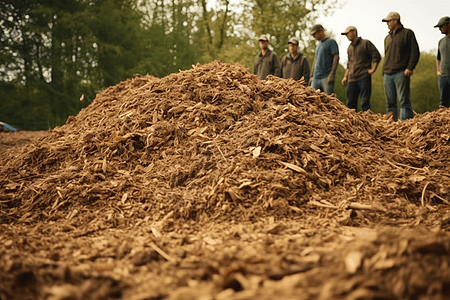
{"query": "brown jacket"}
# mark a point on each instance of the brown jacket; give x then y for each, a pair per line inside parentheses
(295, 68)
(361, 54)
(401, 51)
(268, 64)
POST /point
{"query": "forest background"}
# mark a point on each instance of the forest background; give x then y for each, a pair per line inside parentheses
(55, 53)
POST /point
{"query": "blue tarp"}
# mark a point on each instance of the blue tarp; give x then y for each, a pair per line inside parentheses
(6, 127)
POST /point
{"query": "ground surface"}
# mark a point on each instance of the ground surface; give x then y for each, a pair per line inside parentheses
(17, 139)
(183, 188)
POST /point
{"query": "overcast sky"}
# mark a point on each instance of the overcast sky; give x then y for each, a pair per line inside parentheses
(366, 16)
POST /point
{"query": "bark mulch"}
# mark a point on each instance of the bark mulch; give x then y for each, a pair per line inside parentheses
(212, 184)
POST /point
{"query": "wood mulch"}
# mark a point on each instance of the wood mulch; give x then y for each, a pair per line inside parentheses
(212, 184)
(14, 139)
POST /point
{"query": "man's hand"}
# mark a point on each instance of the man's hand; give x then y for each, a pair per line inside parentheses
(408, 72)
(438, 73)
(371, 71)
(330, 78)
(344, 81)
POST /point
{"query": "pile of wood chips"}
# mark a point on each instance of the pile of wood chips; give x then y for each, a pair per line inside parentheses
(216, 145)
(19, 138)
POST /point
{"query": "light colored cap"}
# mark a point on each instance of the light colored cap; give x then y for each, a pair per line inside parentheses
(392, 16)
(316, 28)
(293, 40)
(263, 37)
(348, 29)
(443, 21)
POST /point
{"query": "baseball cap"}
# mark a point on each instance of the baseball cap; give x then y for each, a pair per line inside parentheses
(316, 28)
(392, 16)
(293, 40)
(348, 29)
(263, 37)
(443, 21)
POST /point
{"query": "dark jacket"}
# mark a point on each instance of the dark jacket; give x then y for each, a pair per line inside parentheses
(401, 51)
(268, 64)
(361, 54)
(295, 68)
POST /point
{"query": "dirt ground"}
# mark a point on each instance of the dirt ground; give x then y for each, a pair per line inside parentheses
(210, 184)
(17, 139)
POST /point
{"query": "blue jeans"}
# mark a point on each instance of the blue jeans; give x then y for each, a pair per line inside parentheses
(444, 89)
(398, 84)
(323, 85)
(361, 87)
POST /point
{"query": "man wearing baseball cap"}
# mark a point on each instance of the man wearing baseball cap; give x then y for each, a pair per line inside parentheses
(443, 61)
(326, 61)
(401, 57)
(266, 62)
(361, 53)
(295, 65)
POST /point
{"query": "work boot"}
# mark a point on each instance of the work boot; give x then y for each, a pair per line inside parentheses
(390, 114)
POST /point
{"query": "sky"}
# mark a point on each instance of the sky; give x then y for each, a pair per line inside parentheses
(418, 15)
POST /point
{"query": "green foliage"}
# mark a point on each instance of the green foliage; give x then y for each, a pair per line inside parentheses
(424, 84)
(339, 89)
(118, 38)
(377, 99)
(283, 19)
(54, 52)
(170, 37)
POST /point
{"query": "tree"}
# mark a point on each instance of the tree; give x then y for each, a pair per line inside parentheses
(170, 42)
(229, 32)
(54, 52)
(282, 19)
(119, 39)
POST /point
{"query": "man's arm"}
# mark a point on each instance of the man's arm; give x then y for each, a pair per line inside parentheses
(374, 68)
(306, 70)
(345, 79)
(283, 61)
(276, 65)
(333, 68)
(312, 72)
(376, 57)
(415, 55)
(438, 63)
(255, 65)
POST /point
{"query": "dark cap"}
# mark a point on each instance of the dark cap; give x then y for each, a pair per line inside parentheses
(443, 21)
(348, 29)
(392, 16)
(316, 28)
(263, 37)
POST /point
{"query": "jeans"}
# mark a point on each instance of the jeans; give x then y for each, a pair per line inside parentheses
(323, 85)
(444, 89)
(361, 87)
(398, 84)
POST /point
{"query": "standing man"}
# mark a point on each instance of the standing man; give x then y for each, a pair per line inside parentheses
(443, 61)
(327, 60)
(401, 57)
(295, 65)
(361, 53)
(266, 62)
